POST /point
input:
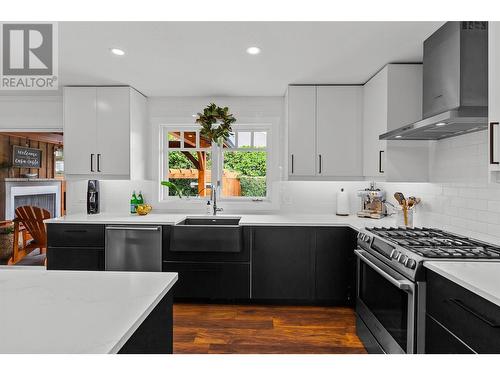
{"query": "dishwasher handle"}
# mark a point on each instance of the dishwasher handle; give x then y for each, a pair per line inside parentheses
(150, 229)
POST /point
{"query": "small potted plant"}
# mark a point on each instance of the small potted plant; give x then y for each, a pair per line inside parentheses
(6, 242)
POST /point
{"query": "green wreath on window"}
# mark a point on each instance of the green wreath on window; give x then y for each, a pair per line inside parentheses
(212, 114)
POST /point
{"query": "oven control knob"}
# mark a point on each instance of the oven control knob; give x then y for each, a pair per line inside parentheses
(410, 263)
(402, 259)
(395, 254)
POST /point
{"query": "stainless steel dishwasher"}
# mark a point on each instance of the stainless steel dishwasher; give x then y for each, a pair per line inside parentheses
(133, 248)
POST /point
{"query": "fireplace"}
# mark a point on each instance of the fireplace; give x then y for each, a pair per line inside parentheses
(43, 193)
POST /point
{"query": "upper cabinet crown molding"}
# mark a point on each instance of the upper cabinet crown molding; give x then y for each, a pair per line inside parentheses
(324, 132)
(106, 133)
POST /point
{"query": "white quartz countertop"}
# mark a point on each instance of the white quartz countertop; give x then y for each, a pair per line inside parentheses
(75, 311)
(482, 278)
(246, 219)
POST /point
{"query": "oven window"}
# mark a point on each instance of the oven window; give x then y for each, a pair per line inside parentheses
(388, 303)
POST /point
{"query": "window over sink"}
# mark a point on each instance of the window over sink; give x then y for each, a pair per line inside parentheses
(189, 161)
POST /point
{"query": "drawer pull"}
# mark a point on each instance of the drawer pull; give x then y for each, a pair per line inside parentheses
(75, 231)
(476, 314)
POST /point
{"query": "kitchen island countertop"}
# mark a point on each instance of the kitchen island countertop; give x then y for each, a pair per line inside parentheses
(75, 311)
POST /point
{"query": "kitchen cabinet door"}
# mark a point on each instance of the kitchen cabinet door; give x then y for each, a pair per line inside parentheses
(494, 98)
(210, 280)
(335, 268)
(339, 131)
(113, 130)
(282, 263)
(302, 131)
(374, 124)
(75, 258)
(80, 130)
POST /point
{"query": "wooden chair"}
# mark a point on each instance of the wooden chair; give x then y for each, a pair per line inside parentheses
(31, 218)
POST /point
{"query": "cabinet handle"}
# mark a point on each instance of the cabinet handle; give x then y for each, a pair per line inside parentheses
(460, 304)
(92, 162)
(153, 229)
(292, 163)
(492, 143)
(320, 163)
(380, 170)
(98, 162)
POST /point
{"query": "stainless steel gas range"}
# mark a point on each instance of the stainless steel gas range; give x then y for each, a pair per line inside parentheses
(391, 287)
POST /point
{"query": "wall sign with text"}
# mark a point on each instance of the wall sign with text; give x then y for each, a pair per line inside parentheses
(25, 157)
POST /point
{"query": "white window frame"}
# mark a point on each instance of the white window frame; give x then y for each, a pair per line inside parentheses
(164, 150)
(252, 128)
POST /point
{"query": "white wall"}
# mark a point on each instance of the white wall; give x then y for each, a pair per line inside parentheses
(38, 113)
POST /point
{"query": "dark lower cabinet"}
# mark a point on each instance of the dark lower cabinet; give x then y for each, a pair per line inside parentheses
(282, 263)
(335, 265)
(472, 321)
(78, 247)
(303, 263)
(210, 281)
(75, 258)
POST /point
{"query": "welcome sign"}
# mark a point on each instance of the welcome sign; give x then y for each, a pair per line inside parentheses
(25, 157)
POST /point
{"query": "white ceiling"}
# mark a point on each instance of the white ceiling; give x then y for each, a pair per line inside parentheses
(209, 58)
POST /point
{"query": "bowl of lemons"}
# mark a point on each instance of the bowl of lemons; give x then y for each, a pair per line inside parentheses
(143, 209)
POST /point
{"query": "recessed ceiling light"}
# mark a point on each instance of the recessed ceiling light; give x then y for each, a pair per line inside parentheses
(253, 50)
(117, 51)
(399, 136)
(441, 124)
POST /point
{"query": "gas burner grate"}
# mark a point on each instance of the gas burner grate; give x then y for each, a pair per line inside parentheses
(435, 243)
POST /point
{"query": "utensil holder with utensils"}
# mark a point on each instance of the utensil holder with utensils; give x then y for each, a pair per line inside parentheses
(404, 213)
(404, 217)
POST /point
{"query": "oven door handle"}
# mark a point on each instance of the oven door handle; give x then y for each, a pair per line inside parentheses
(400, 284)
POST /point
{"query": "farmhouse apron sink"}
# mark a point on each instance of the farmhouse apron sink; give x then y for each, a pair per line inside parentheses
(207, 234)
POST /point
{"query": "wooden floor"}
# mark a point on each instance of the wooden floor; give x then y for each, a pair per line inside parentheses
(200, 328)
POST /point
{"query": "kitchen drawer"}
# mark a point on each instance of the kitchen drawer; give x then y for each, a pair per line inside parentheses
(217, 281)
(75, 258)
(75, 235)
(438, 340)
(468, 316)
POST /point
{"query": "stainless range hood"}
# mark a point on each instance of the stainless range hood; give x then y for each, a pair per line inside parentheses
(455, 84)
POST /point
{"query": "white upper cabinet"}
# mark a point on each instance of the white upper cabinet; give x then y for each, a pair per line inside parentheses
(105, 133)
(80, 129)
(374, 123)
(339, 134)
(302, 131)
(324, 132)
(494, 99)
(113, 130)
(393, 98)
